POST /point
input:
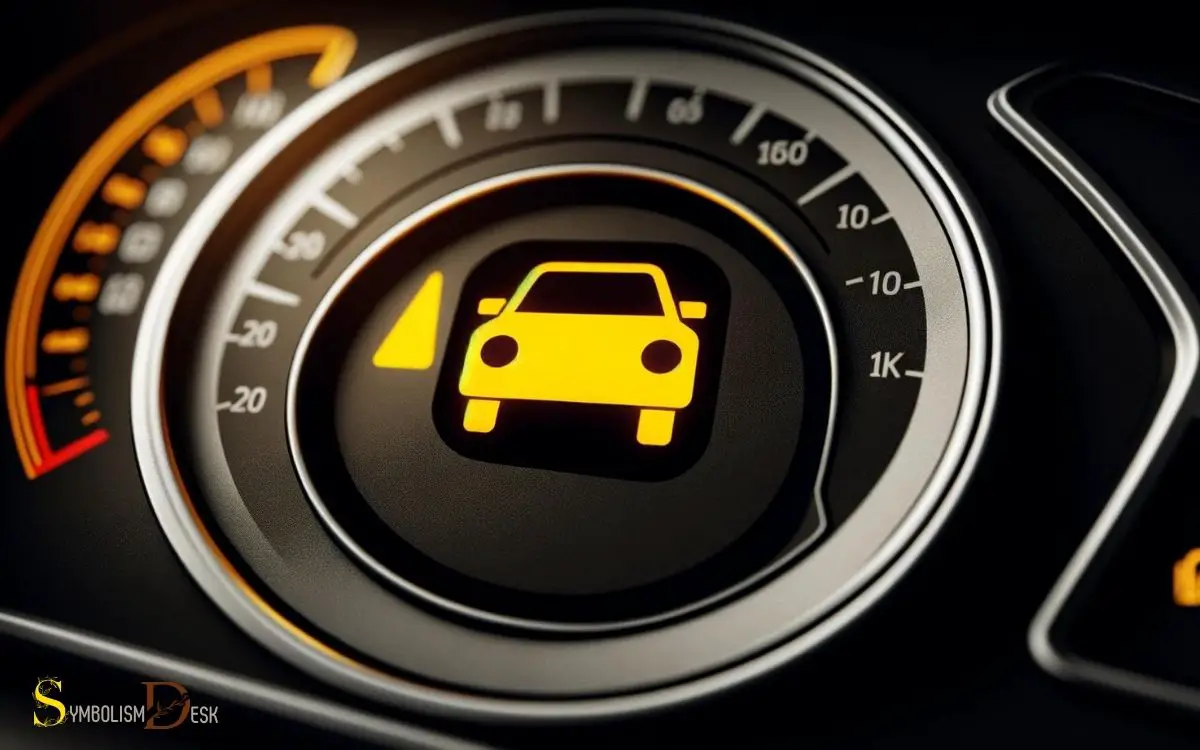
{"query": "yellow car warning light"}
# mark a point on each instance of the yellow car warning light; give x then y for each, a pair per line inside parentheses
(529, 353)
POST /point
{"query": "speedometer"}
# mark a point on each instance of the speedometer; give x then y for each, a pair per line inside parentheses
(619, 357)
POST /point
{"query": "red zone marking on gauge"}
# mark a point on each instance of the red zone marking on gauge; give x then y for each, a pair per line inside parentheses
(51, 458)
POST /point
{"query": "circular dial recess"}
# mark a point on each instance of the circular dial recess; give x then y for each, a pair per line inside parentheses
(567, 383)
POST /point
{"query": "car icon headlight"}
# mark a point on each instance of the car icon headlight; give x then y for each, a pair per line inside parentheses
(660, 357)
(499, 351)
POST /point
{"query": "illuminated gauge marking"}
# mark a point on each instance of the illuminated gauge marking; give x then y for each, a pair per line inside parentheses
(99, 243)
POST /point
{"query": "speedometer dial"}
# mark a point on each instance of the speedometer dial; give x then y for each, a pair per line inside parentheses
(615, 365)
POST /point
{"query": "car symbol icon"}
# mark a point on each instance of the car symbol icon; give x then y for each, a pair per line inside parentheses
(585, 333)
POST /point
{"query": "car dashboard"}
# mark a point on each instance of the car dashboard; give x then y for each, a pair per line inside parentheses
(476, 376)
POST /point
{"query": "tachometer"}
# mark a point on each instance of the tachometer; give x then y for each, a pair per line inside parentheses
(567, 366)
(104, 234)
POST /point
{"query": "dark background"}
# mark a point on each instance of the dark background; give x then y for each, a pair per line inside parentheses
(942, 661)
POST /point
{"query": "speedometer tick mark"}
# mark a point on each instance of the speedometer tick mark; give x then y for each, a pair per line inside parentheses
(268, 293)
(827, 184)
(65, 386)
(550, 101)
(914, 374)
(448, 127)
(747, 125)
(912, 284)
(637, 99)
(394, 142)
(810, 136)
(352, 174)
(881, 218)
(224, 405)
(334, 210)
(855, 280)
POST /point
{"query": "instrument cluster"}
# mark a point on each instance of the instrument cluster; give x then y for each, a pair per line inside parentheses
(466, 377)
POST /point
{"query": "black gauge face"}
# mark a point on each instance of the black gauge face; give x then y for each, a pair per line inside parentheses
(596, 381)
(550, 359)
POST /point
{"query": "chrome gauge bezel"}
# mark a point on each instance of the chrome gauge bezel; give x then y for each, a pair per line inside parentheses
(1179, 310)
(744, 648)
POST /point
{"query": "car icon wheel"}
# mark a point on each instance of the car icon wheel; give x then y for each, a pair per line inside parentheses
(655, 426)
(480, 415)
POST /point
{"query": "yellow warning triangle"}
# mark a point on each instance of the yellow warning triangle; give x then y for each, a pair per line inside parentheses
(412, 342)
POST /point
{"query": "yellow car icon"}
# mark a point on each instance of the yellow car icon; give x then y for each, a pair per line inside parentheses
(585, 333)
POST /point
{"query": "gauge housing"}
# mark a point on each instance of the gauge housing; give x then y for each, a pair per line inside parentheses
(506, 664)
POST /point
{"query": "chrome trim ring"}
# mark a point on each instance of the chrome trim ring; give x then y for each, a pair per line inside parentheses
(1179, 309)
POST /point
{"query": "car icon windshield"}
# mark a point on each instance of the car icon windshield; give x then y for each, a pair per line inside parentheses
(593, 293)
